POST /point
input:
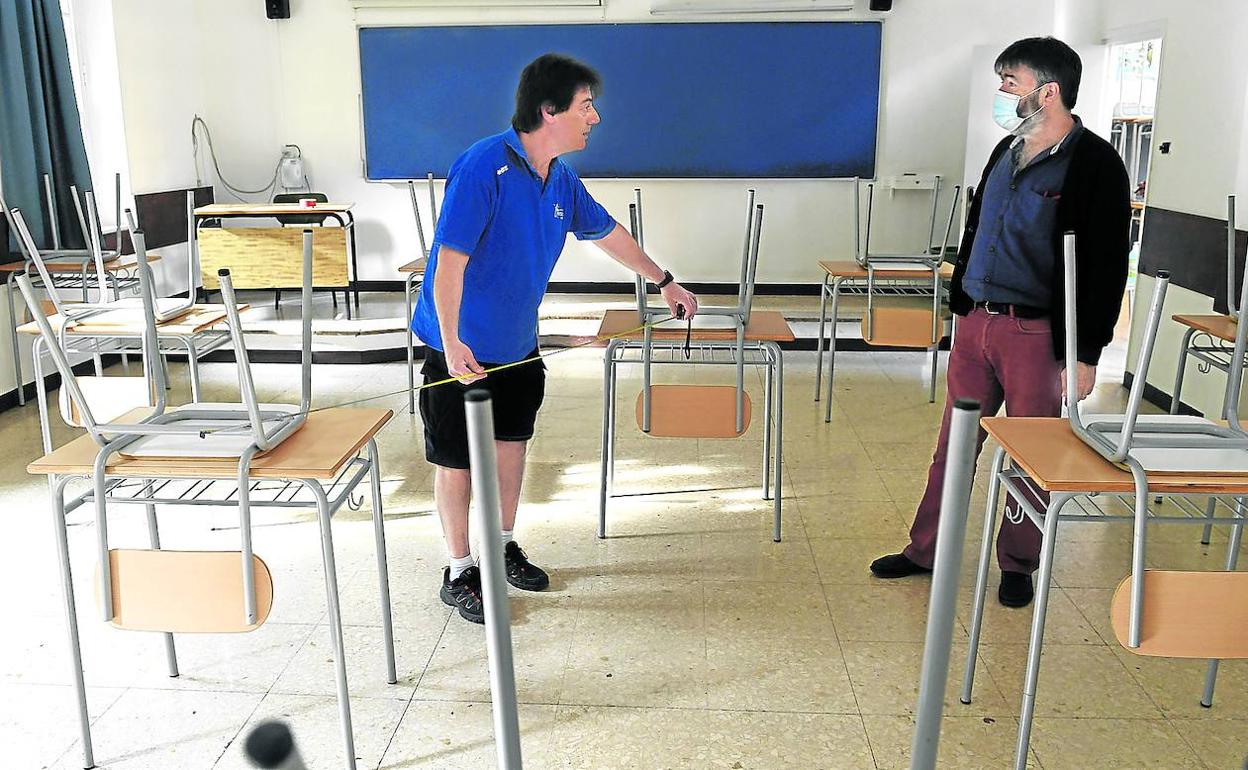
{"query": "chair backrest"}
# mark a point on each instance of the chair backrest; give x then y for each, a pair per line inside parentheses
(302, 219)
(6, 231)
(265, 428)
(1149, 338)
(433, 213)
(865, 256)
(931, 224)
(32, 254)
(1114, 439)
(746, 280)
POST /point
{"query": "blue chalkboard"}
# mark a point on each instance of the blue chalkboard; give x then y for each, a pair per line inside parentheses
(753, 100)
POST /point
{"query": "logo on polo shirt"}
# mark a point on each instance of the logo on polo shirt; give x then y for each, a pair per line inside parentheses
(558, 211)
(501, 170)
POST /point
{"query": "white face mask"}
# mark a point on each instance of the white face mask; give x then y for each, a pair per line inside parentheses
(1005, 109)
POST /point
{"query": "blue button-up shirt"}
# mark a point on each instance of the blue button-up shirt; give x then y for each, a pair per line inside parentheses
(513, 228)
(1012, 257)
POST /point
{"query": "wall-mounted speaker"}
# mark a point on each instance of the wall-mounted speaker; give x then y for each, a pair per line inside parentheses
(881, 5)
(280, 9)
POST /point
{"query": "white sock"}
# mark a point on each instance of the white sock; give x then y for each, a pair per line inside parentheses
(507, 538)
(461, 563)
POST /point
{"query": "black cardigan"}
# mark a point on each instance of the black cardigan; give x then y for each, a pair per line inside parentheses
(1096, 206)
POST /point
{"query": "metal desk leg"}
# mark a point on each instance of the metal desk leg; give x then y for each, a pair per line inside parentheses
(411, 348)
(1044, 581)
(335, 617)
(1184, 347)
(153, 534)
(611, 419)
(647, 356)
(931, 388)
(981, 573)
(1232, 558)
(71, 616)
(383, 569)
(823, 320)
(608, 408)
(767, 417)
(836, 296)
(779, 417)
(17, 350)
(355, 270)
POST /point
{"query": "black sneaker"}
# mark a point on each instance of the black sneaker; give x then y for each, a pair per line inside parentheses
(1016, 589)
(896, 565)
(464, 593)
(522, 573)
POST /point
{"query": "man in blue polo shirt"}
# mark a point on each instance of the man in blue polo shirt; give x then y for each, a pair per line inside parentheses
(510, 205)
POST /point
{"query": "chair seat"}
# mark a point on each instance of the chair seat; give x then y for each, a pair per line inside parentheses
(1187, 614)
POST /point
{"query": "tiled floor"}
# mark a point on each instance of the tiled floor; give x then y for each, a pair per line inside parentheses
(686, 640)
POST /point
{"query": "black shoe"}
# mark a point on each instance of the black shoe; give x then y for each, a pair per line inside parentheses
(464, 593)
(1016, 589)
(522, 573)
(896, 565)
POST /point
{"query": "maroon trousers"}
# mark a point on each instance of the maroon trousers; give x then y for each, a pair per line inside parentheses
(995, 359)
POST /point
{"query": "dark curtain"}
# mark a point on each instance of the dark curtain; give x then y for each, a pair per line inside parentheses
(40, 130)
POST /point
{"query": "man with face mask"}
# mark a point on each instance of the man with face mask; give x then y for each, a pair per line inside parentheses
(1050, 175)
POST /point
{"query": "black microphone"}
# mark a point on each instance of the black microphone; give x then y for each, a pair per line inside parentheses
(272, 747)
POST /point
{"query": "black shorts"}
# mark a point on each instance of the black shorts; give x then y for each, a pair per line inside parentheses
(516, 394)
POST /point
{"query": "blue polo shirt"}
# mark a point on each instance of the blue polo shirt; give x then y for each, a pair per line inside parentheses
(513, 228)
(1012, 258)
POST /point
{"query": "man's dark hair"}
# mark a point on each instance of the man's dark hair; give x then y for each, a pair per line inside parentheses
(550, 79)
(1050, 59)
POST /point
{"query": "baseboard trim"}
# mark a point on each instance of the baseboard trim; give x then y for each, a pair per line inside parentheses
(1159, 398)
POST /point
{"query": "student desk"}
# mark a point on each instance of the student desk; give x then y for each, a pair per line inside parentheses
(763, 334)
(67, 273)
(415, 276)
(1213, 347)
(1048, 456)
(199, 332)
(849, 277)
(321, 462)
(268, 271)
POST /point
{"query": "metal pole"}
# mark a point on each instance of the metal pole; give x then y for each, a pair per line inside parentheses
(954, 502)
(484, 464)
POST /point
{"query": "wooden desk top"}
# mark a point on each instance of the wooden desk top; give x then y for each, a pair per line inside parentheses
(318, 450)
(764, 326)
(415, 266)
(268, 209)
(200, 318)
(1054, 457)
(75, 266)
(1220, 326)
(850, 269)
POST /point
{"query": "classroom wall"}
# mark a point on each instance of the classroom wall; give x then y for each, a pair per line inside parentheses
(262, 83)
(1201, 104)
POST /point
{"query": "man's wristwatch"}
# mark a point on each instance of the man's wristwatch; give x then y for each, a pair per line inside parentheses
(667, 278)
